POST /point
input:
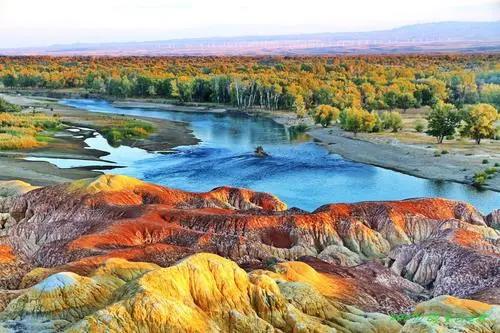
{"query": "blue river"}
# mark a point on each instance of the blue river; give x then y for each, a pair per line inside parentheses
(300, 172)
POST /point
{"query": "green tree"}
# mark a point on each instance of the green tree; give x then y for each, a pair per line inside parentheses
(164, 88)
(480, 122)
(406, 101)
(463, 89)
(490, 93)
(142, 86)
(97, 85)
(353, 120)
(151, 90)
(121, 87)
(184, 89)
(430, 91)
(323, 95)
(10, 80)
(442, 120)
(325, 114)
(125, 86)
(202, 90)
(391, 99)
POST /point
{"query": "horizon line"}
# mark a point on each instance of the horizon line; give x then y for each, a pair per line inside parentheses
(220, 37)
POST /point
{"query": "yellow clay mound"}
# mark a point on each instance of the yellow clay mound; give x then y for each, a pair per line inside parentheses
(14, 187)
(105, 183)
(123, 269)
(449, 305)
(296, 271)
(450, 314)
(202, 293)
(208, 293)
(62, 296)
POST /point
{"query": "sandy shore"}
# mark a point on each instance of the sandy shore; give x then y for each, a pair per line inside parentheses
(416, 160)
(40, 173)
(167, 135)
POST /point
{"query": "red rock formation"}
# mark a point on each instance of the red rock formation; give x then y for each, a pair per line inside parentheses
(76, 227)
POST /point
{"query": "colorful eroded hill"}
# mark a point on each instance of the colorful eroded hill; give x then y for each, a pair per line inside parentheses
(115, 254)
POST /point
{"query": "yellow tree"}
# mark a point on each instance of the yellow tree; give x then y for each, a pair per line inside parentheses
(325, 114)
(369, 120)
(480, 122)
(299, 106)
(359, 120)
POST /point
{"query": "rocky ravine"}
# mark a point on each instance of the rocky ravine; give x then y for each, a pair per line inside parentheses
(117, 254)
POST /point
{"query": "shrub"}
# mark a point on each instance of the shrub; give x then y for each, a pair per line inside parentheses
(491, 171)
(479, 179)
(392, 120)
(419, 126)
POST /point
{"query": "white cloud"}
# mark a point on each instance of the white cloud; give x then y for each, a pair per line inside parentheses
(36, 22)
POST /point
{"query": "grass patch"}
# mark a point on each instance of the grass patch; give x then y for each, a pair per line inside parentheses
(25, 130)
(126, 129)
(8, 107)
(44, 138)
(11, 142)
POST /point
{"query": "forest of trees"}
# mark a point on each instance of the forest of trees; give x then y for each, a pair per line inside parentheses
(344, 89)
(367, 82)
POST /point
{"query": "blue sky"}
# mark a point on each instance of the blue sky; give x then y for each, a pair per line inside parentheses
(46, 22)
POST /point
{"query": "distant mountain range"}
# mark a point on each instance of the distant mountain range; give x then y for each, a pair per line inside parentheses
(420, 38)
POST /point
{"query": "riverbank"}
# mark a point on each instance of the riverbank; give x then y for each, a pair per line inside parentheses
(410, 153)
(69, 142)
(457, 164)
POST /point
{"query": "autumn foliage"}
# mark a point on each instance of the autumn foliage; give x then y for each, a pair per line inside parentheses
(287, 83)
